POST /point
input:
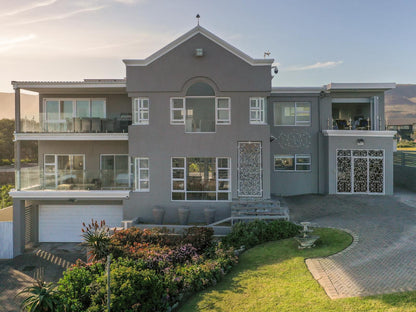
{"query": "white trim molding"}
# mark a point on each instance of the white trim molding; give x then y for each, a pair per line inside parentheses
(193, 32)
(360, 86)
(358, 133)
(71, 136)
(70, 195)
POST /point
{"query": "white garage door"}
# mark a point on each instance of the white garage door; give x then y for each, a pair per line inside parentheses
(63, 223)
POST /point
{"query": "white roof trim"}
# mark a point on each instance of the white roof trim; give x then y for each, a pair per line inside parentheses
(359, 133)
(78, 195)
(194, 31)
(361, 86)
(296, 90)
(72, 136)
(88, 83)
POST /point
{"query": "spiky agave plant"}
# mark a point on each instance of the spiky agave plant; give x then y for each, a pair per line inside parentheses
(97, 239)
(41, 296)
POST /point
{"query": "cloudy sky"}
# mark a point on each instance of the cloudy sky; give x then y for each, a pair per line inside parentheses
(314, 42)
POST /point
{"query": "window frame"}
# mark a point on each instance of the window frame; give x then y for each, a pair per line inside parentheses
(259, 110)
(137, 171)
(139, 110)
(295, 158)
(296, 122)
(74, 107)
(55, 172)
(130, 165)
(174, 121)
(219, 121)
(217, 181)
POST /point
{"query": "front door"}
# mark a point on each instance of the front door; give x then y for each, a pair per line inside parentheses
(249, 169)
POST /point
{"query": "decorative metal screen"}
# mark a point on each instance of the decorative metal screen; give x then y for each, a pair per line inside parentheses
(249, 169)
(360, 171)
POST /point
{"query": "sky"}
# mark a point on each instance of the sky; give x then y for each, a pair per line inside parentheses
(313, 42)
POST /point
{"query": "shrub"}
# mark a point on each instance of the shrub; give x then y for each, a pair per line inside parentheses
(199, 237)
(97, 239)
(5, 199)
(256, 232)
(40, 297)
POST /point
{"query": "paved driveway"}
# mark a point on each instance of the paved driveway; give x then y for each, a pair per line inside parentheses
(47, 260)
(382, 257)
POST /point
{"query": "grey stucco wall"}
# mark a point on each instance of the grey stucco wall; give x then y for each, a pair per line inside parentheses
(405, 177)
(340, 142)
(291, 140)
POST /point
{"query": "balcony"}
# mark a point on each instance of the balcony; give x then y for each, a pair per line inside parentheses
(38, 179)
(45, 123)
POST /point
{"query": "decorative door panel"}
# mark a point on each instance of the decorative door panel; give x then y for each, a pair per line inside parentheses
(250, 169)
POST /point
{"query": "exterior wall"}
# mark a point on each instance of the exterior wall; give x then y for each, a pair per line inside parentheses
(171, 71)
(292, 140)
(116, 104)
(91, 149)
(341, 142)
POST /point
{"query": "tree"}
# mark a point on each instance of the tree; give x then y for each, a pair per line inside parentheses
(6, 139)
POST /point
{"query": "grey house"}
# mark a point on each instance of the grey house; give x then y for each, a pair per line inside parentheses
(197, 124)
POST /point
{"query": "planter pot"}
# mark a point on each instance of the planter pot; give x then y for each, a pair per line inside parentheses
(209, 214)
(306, 241)
(158, 215)
(183, 214)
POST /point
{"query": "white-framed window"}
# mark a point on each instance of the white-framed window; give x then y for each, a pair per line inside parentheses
(292, 113)
(297, 162)
(257, 110)
(116, 170)
(63, 169)
(223, 113)
(201, 178)
(177, 111)
(141, 111)
(142, 180)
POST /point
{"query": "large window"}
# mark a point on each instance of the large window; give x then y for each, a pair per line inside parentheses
(63, 169)
(297, 162)
(116, 171)
(142, 174)
(141, 111)
(200, 110)
(292, 113)
(197, 178)
(257, 110)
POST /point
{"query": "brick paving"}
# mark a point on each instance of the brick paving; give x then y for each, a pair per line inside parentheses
(381, 259)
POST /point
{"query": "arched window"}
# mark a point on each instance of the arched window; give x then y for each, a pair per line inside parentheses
(200, 89)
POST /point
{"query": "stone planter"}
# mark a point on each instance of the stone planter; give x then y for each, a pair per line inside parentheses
(183, 214)
(158, 215)
(209, 214)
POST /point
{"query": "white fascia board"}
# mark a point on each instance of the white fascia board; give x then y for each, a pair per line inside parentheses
(360, 86)
(70, 195)
(71, 136)
(296, 90)
(358, 133)
(194, 31)
(65, 84)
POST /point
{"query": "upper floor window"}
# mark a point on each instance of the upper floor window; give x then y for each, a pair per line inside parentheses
(297, 162)
(141, 111)
(292, 113)
(257, 110)
(200, 110)
(142, 174)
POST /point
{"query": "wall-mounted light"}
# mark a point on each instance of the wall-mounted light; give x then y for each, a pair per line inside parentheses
(272, 138)
(199, 52)
(360, 142)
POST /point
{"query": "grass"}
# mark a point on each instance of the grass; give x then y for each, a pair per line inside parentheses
(407, 149)
(274, 277)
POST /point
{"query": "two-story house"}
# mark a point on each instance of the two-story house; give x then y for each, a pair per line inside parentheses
(197, 124)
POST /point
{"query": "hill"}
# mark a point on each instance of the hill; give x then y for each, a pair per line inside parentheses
(29, 105)
(401, 102)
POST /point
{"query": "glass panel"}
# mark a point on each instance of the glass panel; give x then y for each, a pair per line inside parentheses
(78, 162)
(223, 196)
(178, 174)
(254, 103)
(67, 109)
(98, 108)
(178, 162)
(107, 162)
(303, 159)
(63, 162)
(177, 103)
(223, 103)
(303, 112)
(200, 115)
(201, 196)
(222, 162)
(223, 186)
(49, 168)
(284, 113)
(49, 159)
(201, 174)
(83, 108)
(144, 185)
(284, 163)
(178, 114)
(200, 89)
(223, 114)
(223, 174)
(144, 163)
(144, 174)
(52, 110)
(178, 196)
(303, 167)
(178, 185)
(145, 103)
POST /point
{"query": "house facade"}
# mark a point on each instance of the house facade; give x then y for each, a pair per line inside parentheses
(197, 125)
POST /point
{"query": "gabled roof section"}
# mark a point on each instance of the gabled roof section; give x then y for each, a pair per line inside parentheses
(194, 31)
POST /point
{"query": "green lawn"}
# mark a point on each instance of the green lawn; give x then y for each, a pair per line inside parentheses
(274, 277)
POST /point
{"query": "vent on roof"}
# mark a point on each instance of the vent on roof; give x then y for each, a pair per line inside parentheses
(199, 52)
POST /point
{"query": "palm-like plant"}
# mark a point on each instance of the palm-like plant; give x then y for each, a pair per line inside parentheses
(40, 297)
(97, 239)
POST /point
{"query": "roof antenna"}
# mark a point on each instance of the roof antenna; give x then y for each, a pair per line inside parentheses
(198, 16)
(267, 53)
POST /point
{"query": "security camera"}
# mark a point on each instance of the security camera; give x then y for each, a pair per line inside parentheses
(275, 69)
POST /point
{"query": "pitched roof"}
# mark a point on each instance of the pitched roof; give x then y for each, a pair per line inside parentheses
(194, 31)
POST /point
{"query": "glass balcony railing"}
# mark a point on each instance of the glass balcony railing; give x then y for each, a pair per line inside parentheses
(35, 178)
(41, 123)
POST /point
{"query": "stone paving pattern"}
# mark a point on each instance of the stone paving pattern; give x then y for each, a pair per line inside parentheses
(382, 257)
